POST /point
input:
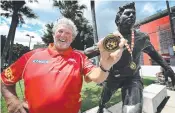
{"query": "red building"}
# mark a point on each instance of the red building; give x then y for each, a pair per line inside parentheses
(158, 28)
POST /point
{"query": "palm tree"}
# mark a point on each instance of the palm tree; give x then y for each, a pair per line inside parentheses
(70, 9)
(16, 10)
(48, 37)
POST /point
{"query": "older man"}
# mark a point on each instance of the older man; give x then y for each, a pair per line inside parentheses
(53, 76)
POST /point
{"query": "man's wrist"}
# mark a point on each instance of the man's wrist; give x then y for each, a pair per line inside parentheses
(103, 69)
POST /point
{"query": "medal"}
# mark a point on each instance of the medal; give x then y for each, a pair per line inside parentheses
(111, 43)
(132, 64)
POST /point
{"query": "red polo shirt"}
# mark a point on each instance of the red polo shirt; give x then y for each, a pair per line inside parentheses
(52, 80)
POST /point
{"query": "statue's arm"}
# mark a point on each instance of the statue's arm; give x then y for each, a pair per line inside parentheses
(150, 50)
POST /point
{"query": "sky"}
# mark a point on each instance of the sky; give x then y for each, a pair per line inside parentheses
(105, 15)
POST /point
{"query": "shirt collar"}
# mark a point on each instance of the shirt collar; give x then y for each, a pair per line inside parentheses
(54, 53)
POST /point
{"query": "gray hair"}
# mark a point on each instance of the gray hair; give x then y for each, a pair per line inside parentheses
(68, 23)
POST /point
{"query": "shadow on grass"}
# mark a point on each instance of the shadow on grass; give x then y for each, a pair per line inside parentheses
(91, 98)
(148, 80)
(91, 94)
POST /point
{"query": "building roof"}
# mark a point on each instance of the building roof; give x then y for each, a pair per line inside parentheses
(154, 17)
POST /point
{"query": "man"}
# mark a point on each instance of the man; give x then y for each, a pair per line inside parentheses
(125, 73)
(53, 76)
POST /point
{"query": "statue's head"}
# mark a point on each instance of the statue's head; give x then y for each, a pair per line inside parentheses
(126, 16)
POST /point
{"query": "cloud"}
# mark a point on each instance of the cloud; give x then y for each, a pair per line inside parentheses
(45, 5)
(148, 8)
(87, 12)
(20, 35)
(21, 38)
(34, 22)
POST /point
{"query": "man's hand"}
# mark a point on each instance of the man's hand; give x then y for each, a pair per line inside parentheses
(108, 59)
(14, 105)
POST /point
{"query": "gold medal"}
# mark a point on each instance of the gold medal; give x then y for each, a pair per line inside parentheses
(111, 43)
(133, 65)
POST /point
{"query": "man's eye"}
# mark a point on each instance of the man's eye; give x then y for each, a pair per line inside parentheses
(60, 31)
(68, 33)
(128, 13)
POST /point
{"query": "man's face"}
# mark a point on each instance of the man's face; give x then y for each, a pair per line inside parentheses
(127, 19)
(63, 37)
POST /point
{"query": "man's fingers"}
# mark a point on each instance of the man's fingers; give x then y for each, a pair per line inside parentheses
(100, 45)
(122, 42)
(117, 54)
(22, 110)
(117, 33)
(25, 105)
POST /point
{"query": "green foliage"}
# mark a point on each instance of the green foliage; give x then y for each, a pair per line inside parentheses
(18, 49)
(48, 37)
(12, 6)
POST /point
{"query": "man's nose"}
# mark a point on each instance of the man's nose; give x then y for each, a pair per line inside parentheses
(131, 15)
(63, 34)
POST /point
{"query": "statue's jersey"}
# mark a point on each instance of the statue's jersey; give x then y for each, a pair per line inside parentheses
(121, 68)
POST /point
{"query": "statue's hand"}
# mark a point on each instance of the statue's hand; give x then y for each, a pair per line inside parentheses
(170, 73)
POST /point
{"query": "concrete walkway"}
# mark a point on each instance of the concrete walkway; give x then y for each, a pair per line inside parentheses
(167, 106)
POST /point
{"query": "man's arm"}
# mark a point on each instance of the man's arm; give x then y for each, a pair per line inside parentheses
(8, 91)
(9, 77)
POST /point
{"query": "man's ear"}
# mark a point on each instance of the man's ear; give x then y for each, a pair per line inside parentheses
(117, 20)
(53, 35)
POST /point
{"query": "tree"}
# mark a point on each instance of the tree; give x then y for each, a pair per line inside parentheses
(3, 40)
(48, 37)
(74, 11)
(18, 49)
(16, 10)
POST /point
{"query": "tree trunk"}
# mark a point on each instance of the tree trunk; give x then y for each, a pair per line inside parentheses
(94, 21)
(10, 36)
(10, 52)
(94, 26)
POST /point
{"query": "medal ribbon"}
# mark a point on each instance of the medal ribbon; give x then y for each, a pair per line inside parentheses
(130, 50)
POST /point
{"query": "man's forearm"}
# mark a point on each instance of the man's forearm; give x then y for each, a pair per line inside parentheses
(97, 75)
(8, 92)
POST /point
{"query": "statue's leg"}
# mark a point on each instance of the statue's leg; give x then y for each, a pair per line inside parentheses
(108, 89)
(132, 97)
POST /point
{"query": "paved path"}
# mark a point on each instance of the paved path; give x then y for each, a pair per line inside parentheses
(167, 106)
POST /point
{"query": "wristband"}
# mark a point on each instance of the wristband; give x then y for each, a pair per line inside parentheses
(104, 69)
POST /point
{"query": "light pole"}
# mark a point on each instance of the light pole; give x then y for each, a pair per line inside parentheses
(30, 39)
(171, 21)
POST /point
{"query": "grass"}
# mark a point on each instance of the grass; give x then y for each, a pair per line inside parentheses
(91, 93)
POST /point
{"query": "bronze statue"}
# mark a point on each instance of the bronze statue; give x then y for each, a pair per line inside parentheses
(125, 73)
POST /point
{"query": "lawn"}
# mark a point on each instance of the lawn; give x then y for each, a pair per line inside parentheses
(90, 95)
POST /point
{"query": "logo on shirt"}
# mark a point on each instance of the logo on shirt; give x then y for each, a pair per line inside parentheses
(72, 60)
(41, 61)
(8, 74)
